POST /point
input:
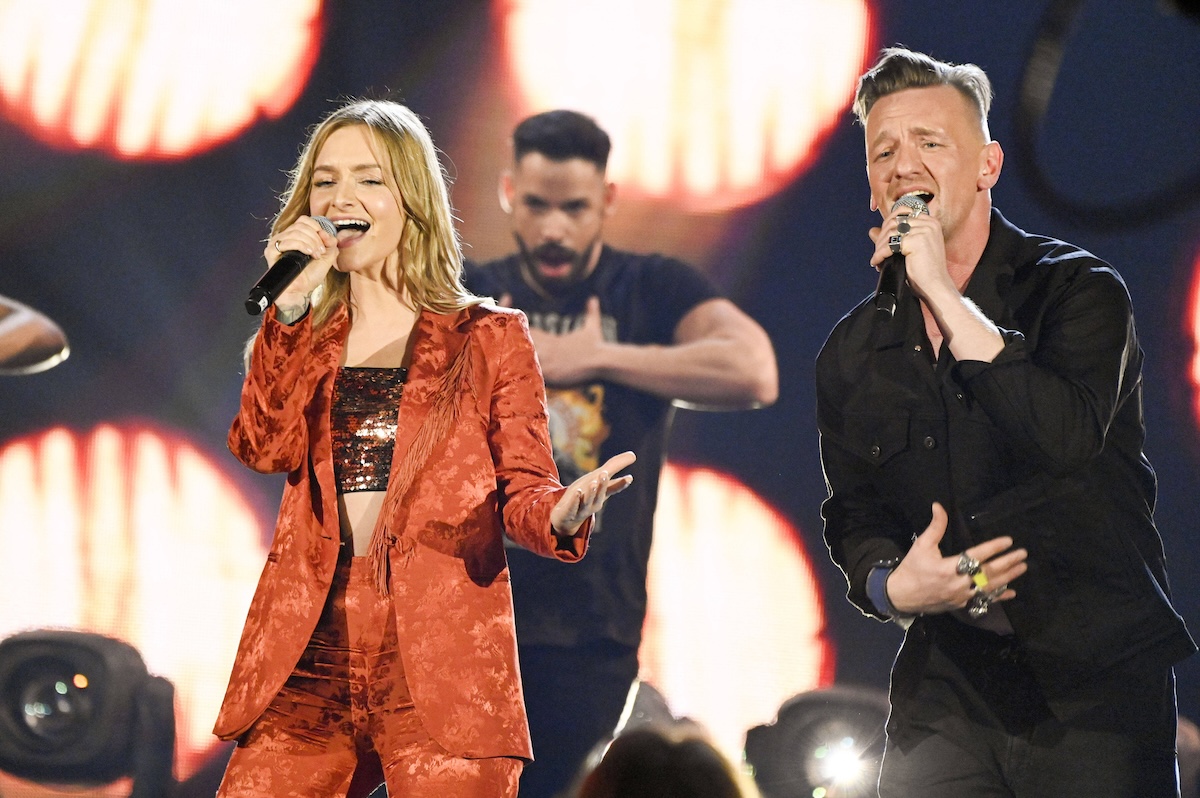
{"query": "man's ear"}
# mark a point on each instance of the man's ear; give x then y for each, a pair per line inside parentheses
(504, 191)
(991, 160)
(610, 198)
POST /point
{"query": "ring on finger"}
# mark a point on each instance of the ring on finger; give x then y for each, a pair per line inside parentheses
(967, 565)
(978, 606)
(903, 227)
(894, 243)
(277, 249)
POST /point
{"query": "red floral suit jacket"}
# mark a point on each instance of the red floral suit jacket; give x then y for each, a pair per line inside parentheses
(472, 461)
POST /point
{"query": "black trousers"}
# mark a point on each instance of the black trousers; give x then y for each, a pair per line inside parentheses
(574, 698)
(969, 719)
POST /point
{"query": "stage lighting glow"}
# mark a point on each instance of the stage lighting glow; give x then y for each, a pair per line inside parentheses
(134, 533)
(840, 762)
(1193, 317)
(824, 743)
(152, 78)
(733, 601)
(711, 103)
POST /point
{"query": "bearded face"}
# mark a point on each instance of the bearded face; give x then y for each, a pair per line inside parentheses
(558, 210)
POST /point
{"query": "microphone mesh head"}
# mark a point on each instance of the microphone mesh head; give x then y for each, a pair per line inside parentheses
(328, 227)
(913, 203)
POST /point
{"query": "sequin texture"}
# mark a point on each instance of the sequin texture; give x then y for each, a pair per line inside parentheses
(363, 418)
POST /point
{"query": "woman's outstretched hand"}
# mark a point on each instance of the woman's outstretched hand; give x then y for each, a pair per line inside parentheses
(588, 494)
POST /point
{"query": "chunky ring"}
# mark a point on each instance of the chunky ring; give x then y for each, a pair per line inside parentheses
(277, 249)
(903, 227)
(980, 579)
(978, 606)
(967, 566)
(894, 243)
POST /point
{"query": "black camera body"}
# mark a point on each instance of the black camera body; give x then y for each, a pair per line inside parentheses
(81, 708)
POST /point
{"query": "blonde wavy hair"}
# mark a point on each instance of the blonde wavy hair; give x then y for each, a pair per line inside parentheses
(430, 252)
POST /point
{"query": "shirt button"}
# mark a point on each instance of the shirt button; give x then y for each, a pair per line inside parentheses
(958, 396)
(929, 443)
(876, 451)
(917, 348)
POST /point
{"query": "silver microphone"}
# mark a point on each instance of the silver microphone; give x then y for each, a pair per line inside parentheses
(890, 287)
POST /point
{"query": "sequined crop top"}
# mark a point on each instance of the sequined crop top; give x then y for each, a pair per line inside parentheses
(363, 424)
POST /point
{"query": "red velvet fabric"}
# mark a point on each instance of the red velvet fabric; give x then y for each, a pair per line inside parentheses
(484, 470)
(346, 713)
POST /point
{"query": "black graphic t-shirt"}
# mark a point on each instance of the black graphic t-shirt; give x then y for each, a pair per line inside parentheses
(642, 299)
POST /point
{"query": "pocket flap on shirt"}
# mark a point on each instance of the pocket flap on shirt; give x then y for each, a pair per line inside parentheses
(875, 437)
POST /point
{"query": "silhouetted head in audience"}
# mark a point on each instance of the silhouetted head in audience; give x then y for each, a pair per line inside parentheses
(665, 762)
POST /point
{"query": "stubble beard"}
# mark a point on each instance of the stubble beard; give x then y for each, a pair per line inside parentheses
(535, 263)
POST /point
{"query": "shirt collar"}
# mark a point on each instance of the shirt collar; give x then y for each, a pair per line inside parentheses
(993, 275)
(987, 287)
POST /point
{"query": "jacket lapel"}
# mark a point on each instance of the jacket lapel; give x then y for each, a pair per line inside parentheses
(438, 341)
(439, 371)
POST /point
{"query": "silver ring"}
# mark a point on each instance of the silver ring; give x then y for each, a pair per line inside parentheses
(894, 243)
(967, 566)
(903, 227)
(277, 249)
(978, 606)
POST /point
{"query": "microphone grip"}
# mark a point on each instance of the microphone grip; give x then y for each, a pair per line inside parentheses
(890, 288)
(282, 272)
(275, 281)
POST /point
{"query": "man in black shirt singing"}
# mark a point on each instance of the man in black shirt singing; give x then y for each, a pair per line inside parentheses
(987, 487)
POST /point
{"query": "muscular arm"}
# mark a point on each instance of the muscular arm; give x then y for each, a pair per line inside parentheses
(720, 358)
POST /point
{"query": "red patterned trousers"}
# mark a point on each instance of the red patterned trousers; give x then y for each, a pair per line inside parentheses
(345, 721)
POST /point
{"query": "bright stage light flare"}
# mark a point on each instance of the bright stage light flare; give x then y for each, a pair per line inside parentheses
(133, 533)
(152, 78)
(1193, 317)
(710, 103)
(733, 601)
(841, 763)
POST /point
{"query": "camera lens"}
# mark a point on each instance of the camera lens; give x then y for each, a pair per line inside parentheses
(53, 702)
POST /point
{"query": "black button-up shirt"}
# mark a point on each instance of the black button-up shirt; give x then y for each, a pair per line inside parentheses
(1043, 444)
